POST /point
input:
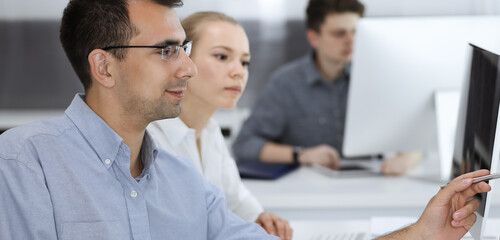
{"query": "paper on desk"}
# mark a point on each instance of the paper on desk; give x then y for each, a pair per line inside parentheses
(325, 230)
(382, 225)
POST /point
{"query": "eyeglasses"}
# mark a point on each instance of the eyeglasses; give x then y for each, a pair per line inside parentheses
(168, 52)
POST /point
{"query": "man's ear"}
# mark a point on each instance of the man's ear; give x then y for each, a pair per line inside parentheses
(99, 68)
(312, 37)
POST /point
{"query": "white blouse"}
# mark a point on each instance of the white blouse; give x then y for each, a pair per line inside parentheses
(215, 164)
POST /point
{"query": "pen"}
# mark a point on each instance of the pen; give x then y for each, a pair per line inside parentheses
(485, 178)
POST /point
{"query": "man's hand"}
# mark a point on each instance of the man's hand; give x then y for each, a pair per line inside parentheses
(275, 225)
(323, 155)
(400, 163)
(449, 214)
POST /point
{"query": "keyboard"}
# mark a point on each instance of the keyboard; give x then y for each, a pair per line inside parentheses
(339, 236)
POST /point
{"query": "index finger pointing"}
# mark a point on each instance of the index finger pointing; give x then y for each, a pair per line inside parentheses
(458, 184)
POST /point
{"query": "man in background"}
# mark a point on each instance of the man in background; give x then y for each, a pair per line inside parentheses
(300, 116)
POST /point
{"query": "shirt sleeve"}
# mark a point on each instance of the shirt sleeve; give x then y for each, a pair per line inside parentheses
(239, 199)
(223, 224)
(26, 210)
(266, 123)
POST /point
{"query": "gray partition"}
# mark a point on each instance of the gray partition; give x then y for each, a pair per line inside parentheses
(270, 52)
(35, 73)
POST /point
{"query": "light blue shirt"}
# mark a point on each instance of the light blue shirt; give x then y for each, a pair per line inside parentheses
(69, 178)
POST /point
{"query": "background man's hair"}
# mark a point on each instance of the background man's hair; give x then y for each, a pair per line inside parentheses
(92, 24)
(317, 10)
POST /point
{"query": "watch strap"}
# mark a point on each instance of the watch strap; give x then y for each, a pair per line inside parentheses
(296, 152)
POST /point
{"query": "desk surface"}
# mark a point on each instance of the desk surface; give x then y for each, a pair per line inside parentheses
(308, 230)
(307, 194)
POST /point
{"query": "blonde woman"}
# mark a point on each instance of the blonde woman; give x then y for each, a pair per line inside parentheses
(221, 53)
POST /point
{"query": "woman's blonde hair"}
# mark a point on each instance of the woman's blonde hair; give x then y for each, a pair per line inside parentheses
(193, 22)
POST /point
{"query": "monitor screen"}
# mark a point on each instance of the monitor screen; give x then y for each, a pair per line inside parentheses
(477, 122)
(398, 66)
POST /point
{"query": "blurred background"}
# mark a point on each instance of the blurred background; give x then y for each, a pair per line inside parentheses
(35, 74)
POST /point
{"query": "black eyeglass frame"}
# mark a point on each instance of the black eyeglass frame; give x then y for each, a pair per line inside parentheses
(186, 47)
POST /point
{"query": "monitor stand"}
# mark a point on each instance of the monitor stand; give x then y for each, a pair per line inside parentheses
(446, 106)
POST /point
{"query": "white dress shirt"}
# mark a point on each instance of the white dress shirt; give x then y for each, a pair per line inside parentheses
(215, 163)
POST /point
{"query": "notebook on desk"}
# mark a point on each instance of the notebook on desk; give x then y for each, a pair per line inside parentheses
(259, 170)
(329, 230)
(351, 168)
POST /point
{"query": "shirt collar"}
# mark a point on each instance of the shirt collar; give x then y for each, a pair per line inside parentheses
(347, 71)
(105, 142)
(212, 126)
(178, 131)
(149, 151)
(312, 74)
(101, 137)
(175, 129)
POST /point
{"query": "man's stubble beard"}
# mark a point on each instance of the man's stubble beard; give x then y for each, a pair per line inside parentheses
(144, 110)
(156, 110)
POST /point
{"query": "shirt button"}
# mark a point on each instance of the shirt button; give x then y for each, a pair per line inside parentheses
(107, 161)
(133, 193)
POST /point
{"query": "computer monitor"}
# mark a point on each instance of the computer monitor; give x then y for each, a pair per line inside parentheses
(398, 66)
(477, 144)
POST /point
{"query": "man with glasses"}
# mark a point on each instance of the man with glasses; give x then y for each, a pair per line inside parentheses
(95, 173)
(168, 50)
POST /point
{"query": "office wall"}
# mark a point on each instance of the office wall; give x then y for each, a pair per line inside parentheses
(254, 9)
(34, 72)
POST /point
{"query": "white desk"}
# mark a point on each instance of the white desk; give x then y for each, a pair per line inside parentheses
(319, 230)
(317, 205)
(306, 194)
(354, 229)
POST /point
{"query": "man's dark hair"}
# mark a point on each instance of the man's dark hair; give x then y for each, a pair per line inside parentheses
(92, 24)
(317, 10)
